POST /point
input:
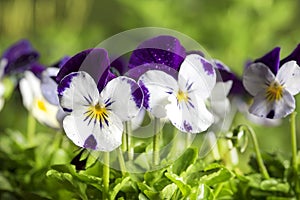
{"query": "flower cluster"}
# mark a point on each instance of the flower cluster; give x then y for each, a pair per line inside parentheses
(91, 97)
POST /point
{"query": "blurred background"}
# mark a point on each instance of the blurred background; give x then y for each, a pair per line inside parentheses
(230, 30)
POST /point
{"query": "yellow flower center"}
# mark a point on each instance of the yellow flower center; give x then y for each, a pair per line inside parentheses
(274, 92)
(41, 105)
(182, 96)
(98, 113)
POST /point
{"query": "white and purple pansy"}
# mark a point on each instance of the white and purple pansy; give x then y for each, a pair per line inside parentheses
(34, 100)
(95, 116)
(273, 84)
(181, 100)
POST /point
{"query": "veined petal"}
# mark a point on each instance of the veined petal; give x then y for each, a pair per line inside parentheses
(271, 60)
(190, 117)
(289, 76)
(157, 87)
(124, 97)
(77, 90)
(92, 136)
(256, 77)
(198, 74)
(273, 110)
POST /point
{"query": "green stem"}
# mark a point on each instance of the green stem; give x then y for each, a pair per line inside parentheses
(105, 193)
(124, 140)
(188, 139)
(156, 137)
(31, 125)
(130, 147)
(294, 141)
(259, 159)
(121, 161)
(294, 153)
(218, 190)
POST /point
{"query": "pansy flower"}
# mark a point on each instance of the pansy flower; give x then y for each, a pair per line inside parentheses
(181, 100)
(273, 84)
(96, 105)
(34, 100)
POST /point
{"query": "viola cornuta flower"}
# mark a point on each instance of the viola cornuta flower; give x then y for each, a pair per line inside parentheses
(96, 103)
(273, 85)
(182, 101)
(34, 101)
(95, 119)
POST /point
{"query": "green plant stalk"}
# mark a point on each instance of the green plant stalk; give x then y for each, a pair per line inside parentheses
(294, 152)
(124, 140)
(188, 139)
(121, 161)
(130, 147)
(31, 125)
(259, 159)
(156, 137)
(218, 190)
(105, 193)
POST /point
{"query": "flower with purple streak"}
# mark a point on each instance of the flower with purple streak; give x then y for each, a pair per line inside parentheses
(96, 103)
(181, 100)
(273, 83)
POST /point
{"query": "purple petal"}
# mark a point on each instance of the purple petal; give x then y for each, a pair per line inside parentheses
(65, 83)
(19, 57)
(146, 94)
(271, 59)
(136, 72)
(165, 50)
(49, 90)
(93, 61)
(37, 69)
(295, 55)
(119, 66)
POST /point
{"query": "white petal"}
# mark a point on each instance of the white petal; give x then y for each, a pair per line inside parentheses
(198, 74)
(256, 77)
(191, 117)
(220, 104)
(289, 76)
(77, 90)
(91, 136)
(125, 95)
(159, 86)
(273, 110)
(42, 110)
(2, 90)
(3, 63)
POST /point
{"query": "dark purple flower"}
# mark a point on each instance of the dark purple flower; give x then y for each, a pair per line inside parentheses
(19, 57)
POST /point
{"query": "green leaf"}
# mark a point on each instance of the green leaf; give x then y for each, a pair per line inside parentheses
(148, 191)
(183, 187)
(153, 176)
(120, 183)
(5, 184)
(220, 176)
(184, 161)
(168, 191)
(274, 185)
(203, 192)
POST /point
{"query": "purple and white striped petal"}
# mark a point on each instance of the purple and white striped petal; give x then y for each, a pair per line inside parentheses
(189, 116)
(92, 136)
(257, 77)
(124, 97)
(289, 76)
(198, 74)
(77, 90)
(157, 87)
(274, 109)
(49, 85)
